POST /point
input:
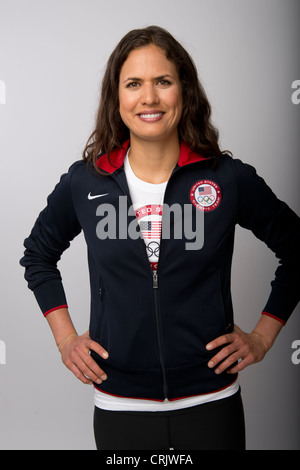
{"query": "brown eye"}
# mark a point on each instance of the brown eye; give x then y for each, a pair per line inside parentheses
(132, 85)
(164, 83)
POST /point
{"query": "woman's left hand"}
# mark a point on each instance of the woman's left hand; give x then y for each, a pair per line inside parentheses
(246, 348)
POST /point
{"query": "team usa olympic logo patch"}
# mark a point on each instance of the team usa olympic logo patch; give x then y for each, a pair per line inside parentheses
(206, 195)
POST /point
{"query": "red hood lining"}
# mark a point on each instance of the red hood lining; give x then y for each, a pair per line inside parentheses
(116, 159)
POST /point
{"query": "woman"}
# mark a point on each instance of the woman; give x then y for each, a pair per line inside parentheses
(162, 349)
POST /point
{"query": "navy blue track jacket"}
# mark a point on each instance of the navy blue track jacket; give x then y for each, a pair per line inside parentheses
(155, 326)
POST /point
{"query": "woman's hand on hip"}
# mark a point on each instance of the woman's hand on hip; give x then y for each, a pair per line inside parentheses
(240, 350)
(75, 354)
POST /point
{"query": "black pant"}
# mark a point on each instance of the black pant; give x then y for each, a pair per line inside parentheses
(218, 425)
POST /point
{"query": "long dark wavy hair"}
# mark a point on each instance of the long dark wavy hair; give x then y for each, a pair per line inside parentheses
(195, 127)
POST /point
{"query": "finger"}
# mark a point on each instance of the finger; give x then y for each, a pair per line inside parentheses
(242, 364)
(93, 345)
(236, 368)
(90, 369)
(78, 374)
(221, 355)
(220, 341)
(228, 362)
(97, 372)
(92, 364)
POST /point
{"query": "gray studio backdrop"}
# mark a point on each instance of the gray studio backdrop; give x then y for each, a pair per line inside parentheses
(52, 57)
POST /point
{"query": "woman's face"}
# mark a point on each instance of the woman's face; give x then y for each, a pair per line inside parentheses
(150, 95)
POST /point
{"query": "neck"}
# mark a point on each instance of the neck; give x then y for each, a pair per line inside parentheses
(154, 162)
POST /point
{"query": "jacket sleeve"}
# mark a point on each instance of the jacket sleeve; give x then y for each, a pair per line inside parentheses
(273, 222)
(51, 235)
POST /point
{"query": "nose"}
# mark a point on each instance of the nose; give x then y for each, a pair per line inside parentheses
(149, 95)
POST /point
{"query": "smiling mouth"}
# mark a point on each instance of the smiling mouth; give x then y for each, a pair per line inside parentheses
(151, 115)
(155, 116)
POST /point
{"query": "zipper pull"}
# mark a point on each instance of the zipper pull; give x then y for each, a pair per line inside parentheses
(155, 280)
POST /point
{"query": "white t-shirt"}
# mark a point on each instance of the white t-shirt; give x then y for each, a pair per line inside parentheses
(147, 200)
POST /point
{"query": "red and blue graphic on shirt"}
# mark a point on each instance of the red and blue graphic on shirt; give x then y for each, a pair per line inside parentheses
(150, 218)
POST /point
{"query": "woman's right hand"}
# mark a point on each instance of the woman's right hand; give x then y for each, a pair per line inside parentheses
(75, 354)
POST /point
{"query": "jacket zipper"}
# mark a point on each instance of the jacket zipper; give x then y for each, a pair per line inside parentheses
(156, 301)
(159, 334)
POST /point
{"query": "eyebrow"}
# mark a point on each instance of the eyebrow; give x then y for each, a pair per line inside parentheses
(161, 77)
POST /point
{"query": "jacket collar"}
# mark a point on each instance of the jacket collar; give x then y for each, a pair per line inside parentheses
(116, 159)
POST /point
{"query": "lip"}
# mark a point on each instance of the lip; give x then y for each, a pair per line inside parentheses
(151, 115)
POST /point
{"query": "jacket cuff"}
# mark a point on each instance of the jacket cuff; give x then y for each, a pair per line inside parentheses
(282, 301)
(50, 296)
(275, 318)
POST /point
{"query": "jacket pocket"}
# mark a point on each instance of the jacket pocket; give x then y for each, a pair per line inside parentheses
(97, 310)
(226, 310)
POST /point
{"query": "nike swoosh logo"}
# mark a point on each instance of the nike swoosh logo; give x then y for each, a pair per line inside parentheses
(90, 197)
